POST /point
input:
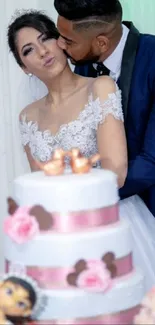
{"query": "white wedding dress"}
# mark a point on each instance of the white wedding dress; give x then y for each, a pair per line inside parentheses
(81, 133)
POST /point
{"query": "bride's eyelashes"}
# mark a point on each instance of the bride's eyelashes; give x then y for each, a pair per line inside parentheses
(42, 38)
(27, 51)
(45, 38)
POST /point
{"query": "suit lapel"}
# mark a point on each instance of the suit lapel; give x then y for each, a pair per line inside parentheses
(128, 61)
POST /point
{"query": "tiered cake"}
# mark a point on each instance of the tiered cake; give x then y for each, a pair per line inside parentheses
(81, 254)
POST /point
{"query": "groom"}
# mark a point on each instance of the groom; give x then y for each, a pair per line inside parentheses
(93, 31)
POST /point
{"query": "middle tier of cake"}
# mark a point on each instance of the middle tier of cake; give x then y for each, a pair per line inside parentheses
(49, 258)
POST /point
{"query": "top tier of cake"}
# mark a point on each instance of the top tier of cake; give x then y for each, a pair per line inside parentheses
(74, 201)
(68, 192)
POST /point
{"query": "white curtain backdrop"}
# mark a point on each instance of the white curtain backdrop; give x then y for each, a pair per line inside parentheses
(12, 159)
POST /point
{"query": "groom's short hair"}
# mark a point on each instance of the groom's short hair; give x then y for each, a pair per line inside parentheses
(85, 13)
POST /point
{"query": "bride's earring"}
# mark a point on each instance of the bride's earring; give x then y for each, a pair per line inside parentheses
(30, 75)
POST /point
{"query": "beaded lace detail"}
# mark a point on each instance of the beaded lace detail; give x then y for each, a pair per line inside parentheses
(79, 133)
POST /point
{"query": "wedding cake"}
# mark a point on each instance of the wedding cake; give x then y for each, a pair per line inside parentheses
(64, 232)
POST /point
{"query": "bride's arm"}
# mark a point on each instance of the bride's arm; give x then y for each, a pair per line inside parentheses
(111, 139)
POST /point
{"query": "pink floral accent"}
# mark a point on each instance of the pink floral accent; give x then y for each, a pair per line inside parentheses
(21, 210)
(96, 278)
(96, 265)
(21, 227)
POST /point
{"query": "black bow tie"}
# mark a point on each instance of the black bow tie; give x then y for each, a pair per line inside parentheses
(101, 69)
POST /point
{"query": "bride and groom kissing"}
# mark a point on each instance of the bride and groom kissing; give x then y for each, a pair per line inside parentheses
(113, 114)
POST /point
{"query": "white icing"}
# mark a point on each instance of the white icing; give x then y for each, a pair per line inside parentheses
(68, 192)
(66, 249)
(127, 293)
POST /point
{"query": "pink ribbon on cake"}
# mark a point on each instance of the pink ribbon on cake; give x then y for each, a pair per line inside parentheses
(55, 277)
(74, 221)
(36, 218)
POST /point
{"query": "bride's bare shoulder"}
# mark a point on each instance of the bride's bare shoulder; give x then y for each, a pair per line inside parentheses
(104, 82)
(31, 111)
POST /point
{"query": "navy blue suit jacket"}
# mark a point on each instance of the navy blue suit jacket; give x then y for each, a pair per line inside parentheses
(137, 82)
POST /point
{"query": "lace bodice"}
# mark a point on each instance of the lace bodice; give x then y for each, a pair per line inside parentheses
(80, 133)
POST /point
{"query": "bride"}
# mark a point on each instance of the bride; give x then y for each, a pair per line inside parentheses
(76, 112)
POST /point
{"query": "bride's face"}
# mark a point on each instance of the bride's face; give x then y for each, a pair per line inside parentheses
(40, 55)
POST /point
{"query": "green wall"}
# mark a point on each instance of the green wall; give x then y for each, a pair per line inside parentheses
(141, 12)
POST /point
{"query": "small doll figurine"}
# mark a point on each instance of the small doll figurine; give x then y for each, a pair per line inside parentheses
(20, 299)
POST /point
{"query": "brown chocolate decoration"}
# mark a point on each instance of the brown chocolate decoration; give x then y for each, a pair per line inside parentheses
(113, 270)
(109, 260)
(79, 267)
(12, 206)
(43, 217)
(71, 279)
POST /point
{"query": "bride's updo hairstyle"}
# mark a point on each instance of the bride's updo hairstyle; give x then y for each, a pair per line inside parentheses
(33, 19)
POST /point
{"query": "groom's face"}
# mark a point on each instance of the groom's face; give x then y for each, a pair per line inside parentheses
(79, 46)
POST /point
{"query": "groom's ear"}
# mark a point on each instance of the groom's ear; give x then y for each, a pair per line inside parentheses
(102, 43)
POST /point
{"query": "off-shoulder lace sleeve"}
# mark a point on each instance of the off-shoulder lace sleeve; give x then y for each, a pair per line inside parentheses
(113, 106)
(27, 128)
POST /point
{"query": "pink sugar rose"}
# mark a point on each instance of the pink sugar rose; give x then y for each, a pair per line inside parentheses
(21, 227)
(96, 279)
(96, 265)
(20, 211)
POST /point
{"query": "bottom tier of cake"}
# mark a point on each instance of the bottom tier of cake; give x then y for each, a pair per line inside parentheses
(123, 318)
(118, 305)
